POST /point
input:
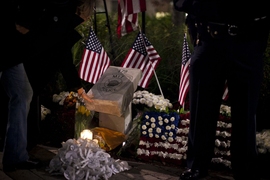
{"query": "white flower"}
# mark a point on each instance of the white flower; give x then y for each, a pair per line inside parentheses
(44, 112)
(166, 120)
(149, 103)
(147, 153)
(160, 123)
(151, 100)
(144, 127)
(142, 101)
(153, 125)
(217, 142)
(141, 142)
(229, 125)
(178, 139)
(170, 139)
(185, 122)
(139, 151)
(135, 101)
(226, 110)
(152, 119)
(171, 134)
(182, 150)
(168, 128)
(158, 130)
(184, 142)
(163, 137)
(185, 130)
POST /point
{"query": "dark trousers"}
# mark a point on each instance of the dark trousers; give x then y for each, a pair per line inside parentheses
(239, 60)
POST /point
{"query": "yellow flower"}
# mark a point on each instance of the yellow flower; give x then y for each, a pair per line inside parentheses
(83, 110)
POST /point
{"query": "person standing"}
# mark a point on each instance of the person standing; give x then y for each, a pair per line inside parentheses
(229, 44)
(19, 91)
(47, 29)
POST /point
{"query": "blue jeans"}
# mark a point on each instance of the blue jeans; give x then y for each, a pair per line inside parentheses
(19, 91)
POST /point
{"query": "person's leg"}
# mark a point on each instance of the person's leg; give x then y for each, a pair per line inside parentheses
(3, 115)
(34, 118)
(244, 89)
(207, 80)
(20, 93)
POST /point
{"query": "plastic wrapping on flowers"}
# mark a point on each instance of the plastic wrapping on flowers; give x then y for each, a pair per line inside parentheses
(84, 159)
(83, 118)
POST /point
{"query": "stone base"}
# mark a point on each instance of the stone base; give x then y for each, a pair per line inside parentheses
(121, 124)
(114, 90)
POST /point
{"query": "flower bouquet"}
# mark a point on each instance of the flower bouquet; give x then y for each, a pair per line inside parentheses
(83, 118)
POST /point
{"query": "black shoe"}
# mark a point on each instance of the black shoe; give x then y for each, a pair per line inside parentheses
(192, 175)
(29, 164)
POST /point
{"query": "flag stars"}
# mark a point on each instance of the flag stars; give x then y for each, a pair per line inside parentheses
(139, 44)
(93, 43)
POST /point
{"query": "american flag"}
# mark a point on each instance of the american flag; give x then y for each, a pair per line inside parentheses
(142, 56)
(128, 15)
(184, 74)
(94, 61)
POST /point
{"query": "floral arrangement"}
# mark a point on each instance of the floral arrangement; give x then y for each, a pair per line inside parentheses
(150, 100)
(82, 115)
(222, 154)
(161, 137)
(61, 97)
(84, 159)
(164, 135)
(263, 141)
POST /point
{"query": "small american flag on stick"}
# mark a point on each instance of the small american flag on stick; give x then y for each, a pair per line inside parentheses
(94, 61)
(184, 74)
(142, 56)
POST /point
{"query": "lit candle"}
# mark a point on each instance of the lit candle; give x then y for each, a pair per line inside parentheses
(87, 134)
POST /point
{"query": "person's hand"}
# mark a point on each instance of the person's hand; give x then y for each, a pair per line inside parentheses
(21, 29)
(86, 97)
(82, 94)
